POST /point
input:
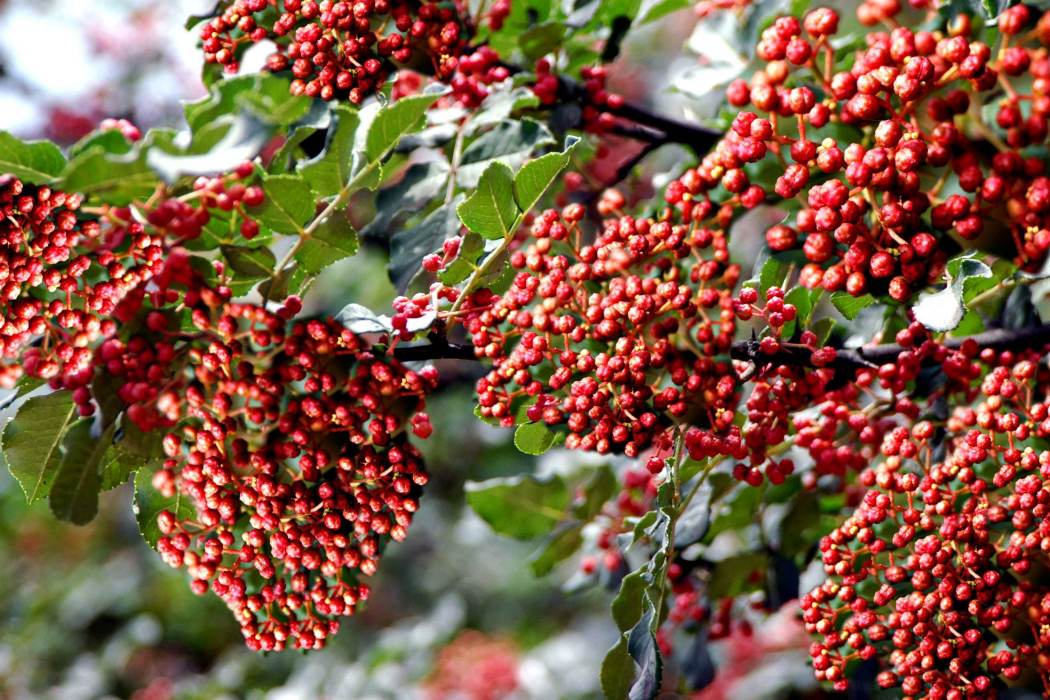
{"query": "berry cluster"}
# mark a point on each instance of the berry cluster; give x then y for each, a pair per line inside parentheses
(339, 49)
(609, 339)
(876, 214)
(598, 103)
(936, 574)
(62, 279)
(291, 446)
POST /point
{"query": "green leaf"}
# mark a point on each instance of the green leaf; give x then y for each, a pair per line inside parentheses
(37, 162)
(657, 9)
(110, 140)
(133, 451)
(408, 248)
(617, 672)
(628, 605)
(332, 169)
(149, 503)
(774, 274)
(490, 211)
(117, 467)
(333, 239)
(537, 175)
(522, 507)
(271, 101)
(74, 495)
(289, 204)
(823, 329)
(849, 305)
(597, 491)
(511, 143)
(803, 300)
(240, 138)
(465, 262)
(732, 575)
(264, 95)
(534, 438)
(643, 648)
(361, 319)
(421, 184)
(557, 547)
(255, 263)
(499, 106)
(395, 121)
(114, 179)
(541, 39)
(32, 441)
(944, 310)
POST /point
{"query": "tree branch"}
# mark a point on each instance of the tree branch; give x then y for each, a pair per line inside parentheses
(877, 355)
(789, 354)
(648, 126)
(438, 350)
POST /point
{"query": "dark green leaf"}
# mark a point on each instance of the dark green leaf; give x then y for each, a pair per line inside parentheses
(110, 141)
(117, 467)
(804, 301)
(74, 495)
(849, 305)
(617, 672)
(419, 186)
(395, 121)
(149, 503)
(408, 248)
(557, 547)
(537, 175)
(242, 140)
(361, 319)
(774, 274)
(332, 240)
(522, 507)
(465, 262)
(271, 101)
(534, 438)
(289, 204)
(32, 441)
(541, 39)
(332, 169)
(628, 605)
(693, 524)
(255, 263)
(114, 179)
(37, 162)
(643, 648)
(733, 575)
(490, 211)
(264, 95)
(598, 490)
(133, 450)
(511, 142)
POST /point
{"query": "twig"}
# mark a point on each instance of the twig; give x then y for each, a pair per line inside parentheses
(789, 353)
(874, 356)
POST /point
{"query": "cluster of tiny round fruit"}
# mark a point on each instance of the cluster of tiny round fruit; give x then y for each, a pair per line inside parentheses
(291, 445)
(62, 278)
(612, 338)
(936, 573)
(597, 103)
(337, 49)
(891, 163)
(72, 281)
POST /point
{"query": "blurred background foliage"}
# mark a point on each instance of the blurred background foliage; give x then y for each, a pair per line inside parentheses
(456, 613)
